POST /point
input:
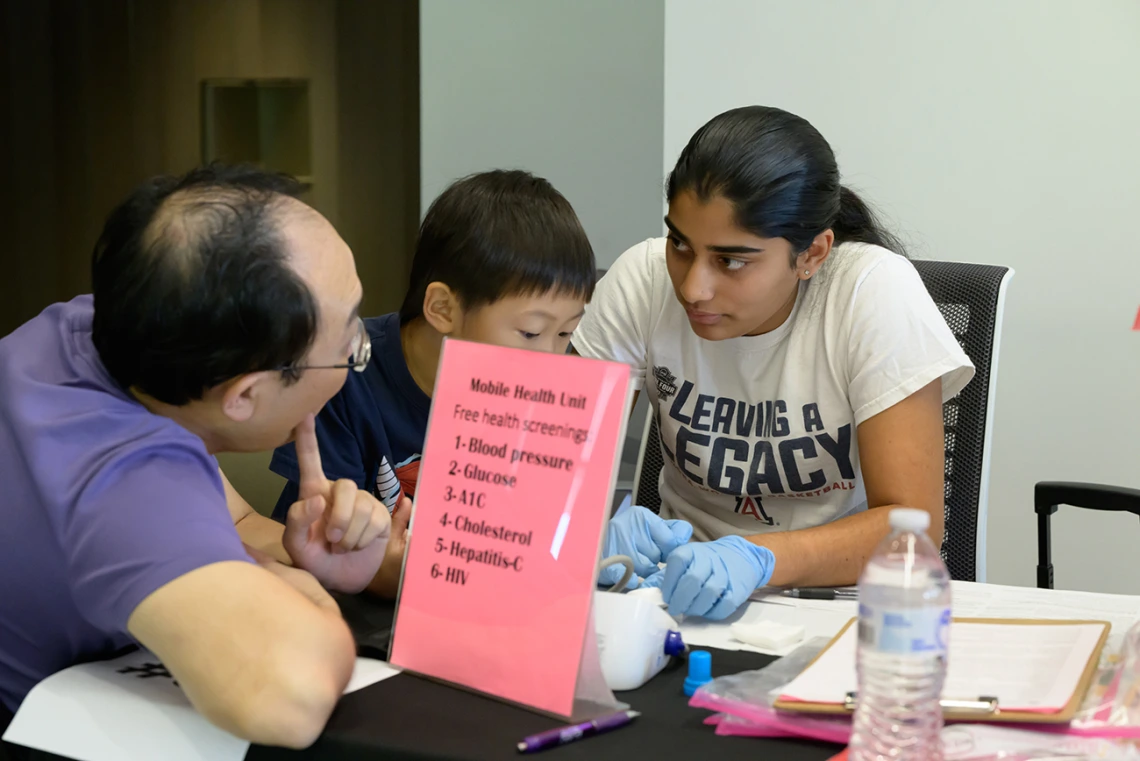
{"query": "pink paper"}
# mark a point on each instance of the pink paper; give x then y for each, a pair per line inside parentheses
(513, 494)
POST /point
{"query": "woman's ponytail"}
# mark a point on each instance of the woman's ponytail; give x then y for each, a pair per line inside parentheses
(857, 222)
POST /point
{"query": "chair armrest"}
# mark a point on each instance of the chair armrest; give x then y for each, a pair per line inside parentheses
(1047, 495)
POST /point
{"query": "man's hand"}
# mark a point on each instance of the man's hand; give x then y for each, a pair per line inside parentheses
(335, 531)
(387, 582)
(303, 581)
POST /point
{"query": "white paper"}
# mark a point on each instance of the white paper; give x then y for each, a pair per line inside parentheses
(815, 621)
(846, 606)
(129, 709)
(986, 742)
(768, 634)
(1027, 667)
(112, 715)
(369, 671)
(972, 600)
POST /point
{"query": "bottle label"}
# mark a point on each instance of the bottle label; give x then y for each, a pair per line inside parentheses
(914, 631)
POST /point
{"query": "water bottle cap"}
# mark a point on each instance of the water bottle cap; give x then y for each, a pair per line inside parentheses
(700, 670)
(674, 645)
(909, 519)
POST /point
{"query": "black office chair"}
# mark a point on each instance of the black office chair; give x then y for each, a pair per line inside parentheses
(650, 461)
(1049, 495)
(971, 298)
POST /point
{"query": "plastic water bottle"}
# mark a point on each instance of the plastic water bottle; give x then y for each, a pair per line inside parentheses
(904, 623)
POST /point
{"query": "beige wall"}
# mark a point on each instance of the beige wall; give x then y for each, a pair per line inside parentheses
(30, 275)
(378, 134)
(106, 93)
(96, 95)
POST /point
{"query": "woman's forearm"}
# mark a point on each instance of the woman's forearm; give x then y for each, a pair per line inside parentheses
(833, 554)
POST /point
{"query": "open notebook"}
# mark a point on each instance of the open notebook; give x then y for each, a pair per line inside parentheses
(1039, 669)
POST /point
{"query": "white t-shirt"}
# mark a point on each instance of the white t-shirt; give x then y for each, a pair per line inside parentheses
(759, 432)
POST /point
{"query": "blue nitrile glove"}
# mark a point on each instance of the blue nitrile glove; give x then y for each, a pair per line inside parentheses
(643, 536)
(712, 579)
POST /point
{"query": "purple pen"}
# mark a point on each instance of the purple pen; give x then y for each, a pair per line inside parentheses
(563, 735)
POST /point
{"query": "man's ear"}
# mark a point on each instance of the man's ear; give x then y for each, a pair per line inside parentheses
(241, 395)
(441, 308)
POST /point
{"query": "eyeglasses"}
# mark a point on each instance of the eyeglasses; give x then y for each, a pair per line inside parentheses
(358, 360)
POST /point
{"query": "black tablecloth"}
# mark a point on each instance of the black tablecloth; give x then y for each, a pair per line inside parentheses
(407, 717)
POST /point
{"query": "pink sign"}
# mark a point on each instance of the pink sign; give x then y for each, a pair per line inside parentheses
(513, 495)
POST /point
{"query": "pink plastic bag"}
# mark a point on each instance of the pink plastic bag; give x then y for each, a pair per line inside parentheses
(1111, 708)
(782, 724)
(744, 701)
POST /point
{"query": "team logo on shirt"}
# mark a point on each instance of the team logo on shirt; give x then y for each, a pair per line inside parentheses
(408, 473)
(391, 483)
(746, 449)
(387, 485)
(753, 506)
(666, 382)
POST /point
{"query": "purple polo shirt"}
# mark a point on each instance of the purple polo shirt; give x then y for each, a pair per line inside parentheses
(102, 502)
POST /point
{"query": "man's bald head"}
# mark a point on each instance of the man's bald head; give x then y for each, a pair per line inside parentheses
(194, 285)
(188, 218)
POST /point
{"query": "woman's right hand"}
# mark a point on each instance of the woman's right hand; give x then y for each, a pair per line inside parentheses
(644, 537)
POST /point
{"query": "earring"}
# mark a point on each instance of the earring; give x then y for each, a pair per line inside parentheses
(807, 273)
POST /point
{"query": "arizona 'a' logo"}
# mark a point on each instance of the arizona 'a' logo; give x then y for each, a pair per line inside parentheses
(755, 507)
(666, 382)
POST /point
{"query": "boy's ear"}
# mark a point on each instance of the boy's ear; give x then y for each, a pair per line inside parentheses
(441, 308)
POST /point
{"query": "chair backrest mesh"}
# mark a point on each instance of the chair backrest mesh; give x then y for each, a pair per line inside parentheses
(652, 461)
(967, 295)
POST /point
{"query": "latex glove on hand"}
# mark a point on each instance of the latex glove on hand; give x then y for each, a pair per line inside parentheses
(712, 579)
(644, 537)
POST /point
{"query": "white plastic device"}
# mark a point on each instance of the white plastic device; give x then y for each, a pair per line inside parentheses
(635, 638)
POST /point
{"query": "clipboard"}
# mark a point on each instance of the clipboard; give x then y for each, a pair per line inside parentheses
(984, 708)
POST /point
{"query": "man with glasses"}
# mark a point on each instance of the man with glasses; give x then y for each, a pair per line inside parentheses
(346, 517)
(222, 315)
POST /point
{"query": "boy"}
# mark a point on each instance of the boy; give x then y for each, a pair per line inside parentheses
(501, 259)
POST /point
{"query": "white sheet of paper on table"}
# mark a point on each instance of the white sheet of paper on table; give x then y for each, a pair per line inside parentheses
(369, 671)
(972, 600)
(993, 741)
(129, 709)
(1028, 668)
(768, 597)
(698, 632)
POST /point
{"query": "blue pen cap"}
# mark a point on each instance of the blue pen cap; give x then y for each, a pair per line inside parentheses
(674, 645)
(700, 671)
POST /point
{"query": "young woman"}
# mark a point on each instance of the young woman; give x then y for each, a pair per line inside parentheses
(795, 362)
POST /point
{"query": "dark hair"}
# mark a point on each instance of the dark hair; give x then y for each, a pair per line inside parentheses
(496, 234)
(192, 283)
(780, 175)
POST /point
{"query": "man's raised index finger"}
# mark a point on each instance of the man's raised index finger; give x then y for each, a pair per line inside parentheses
(313, 481)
